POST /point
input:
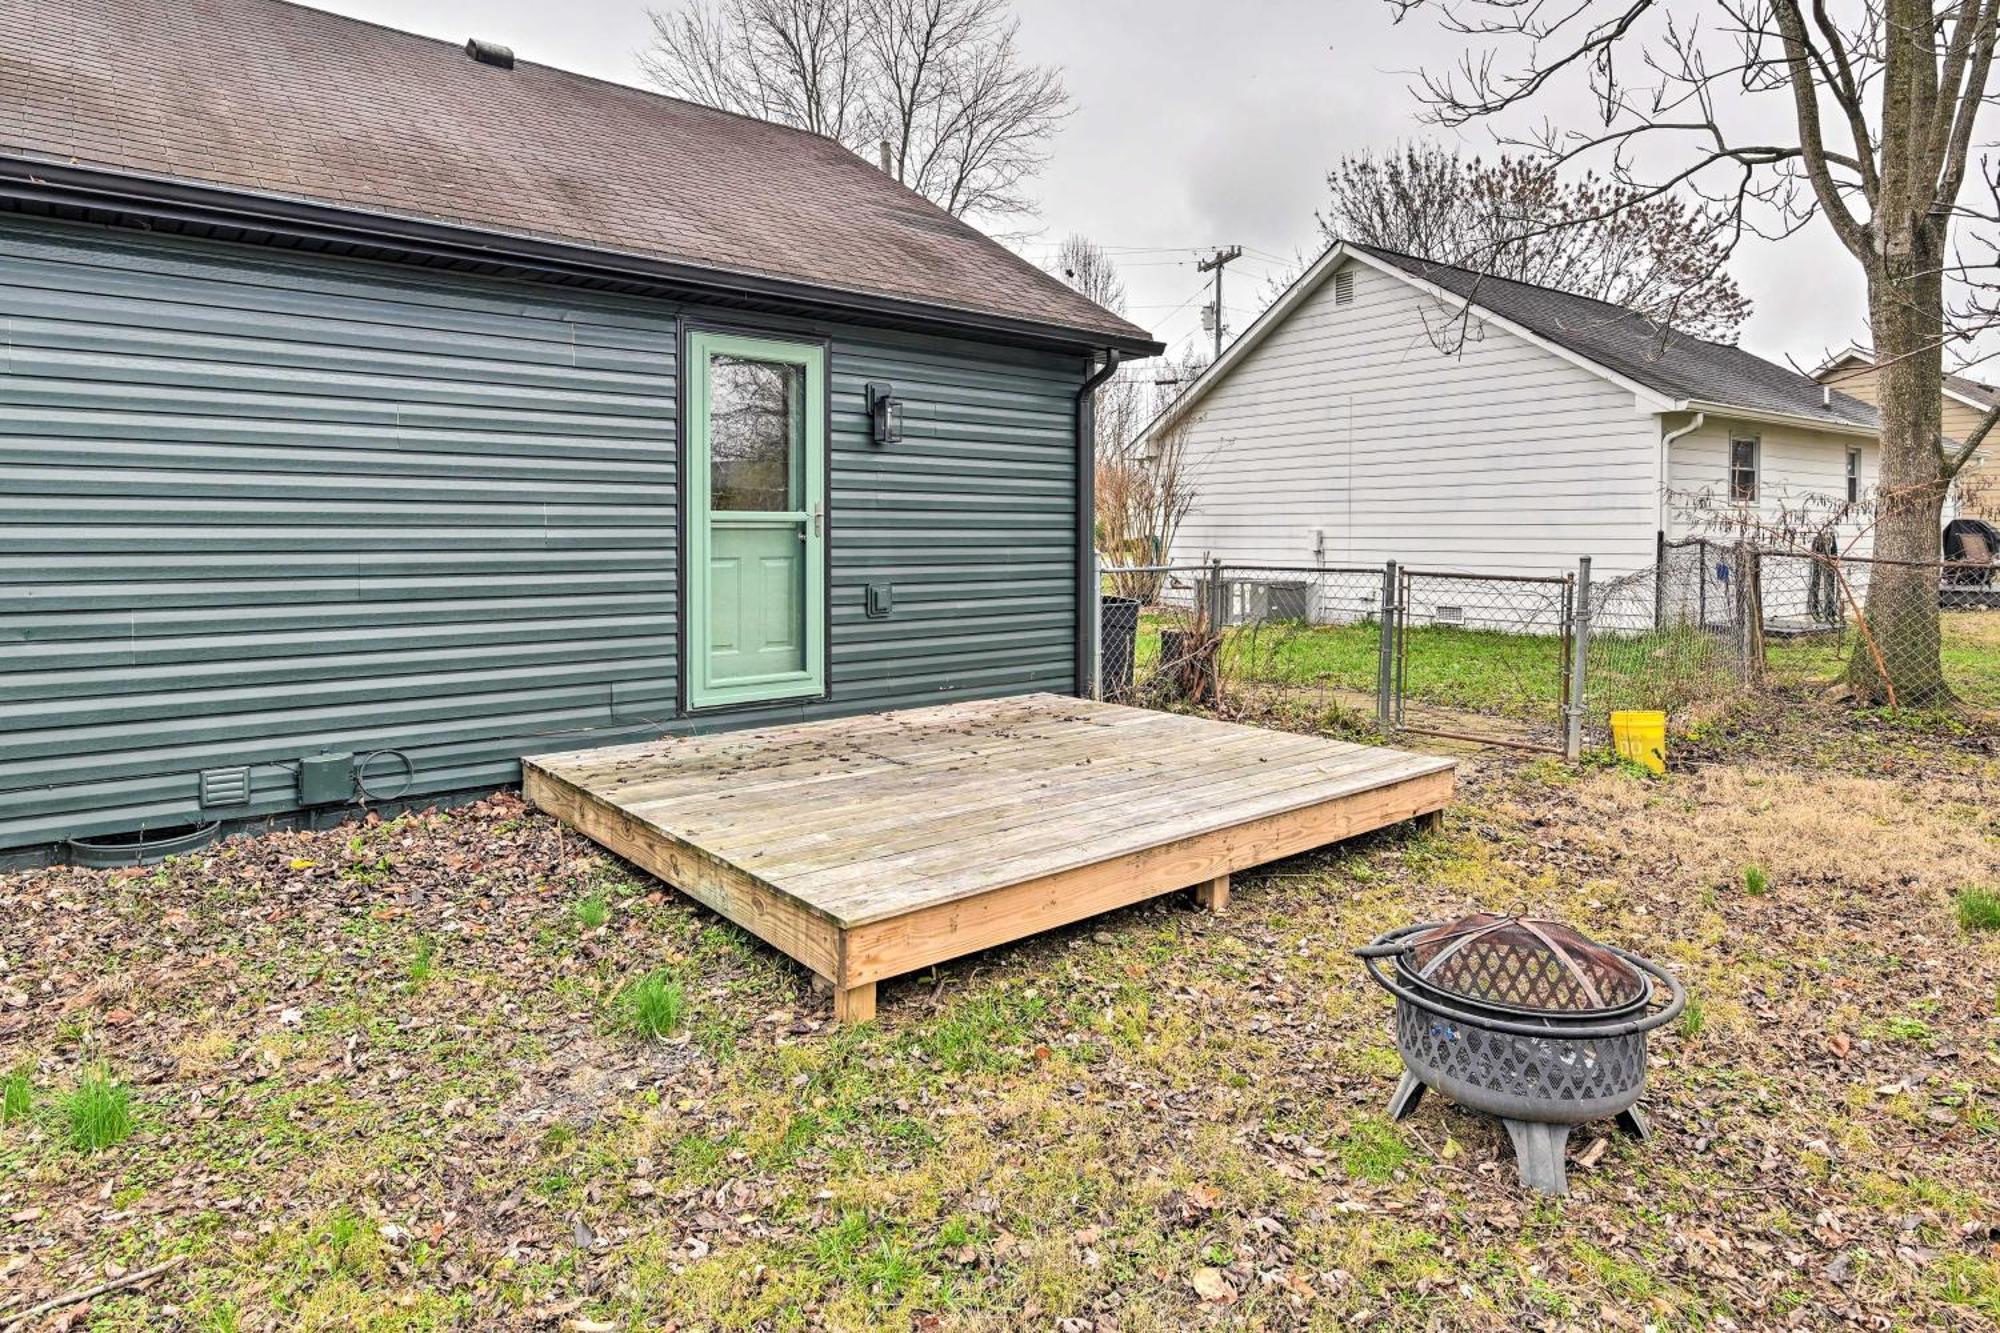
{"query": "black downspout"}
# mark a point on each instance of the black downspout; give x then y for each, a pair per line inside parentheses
(1086, 519)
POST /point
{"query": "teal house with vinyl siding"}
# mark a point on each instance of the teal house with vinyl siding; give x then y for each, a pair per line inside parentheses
(373, 413)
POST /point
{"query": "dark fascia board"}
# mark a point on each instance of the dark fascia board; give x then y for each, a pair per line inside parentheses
(104, 193)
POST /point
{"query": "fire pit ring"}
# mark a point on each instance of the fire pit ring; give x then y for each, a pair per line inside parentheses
(1525, 1020)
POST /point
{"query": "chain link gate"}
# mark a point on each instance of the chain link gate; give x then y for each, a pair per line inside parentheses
(1489, 658)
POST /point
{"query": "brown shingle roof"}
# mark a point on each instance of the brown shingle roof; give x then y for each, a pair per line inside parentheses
(276, 98)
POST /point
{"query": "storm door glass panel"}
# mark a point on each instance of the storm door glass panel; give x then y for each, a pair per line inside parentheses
(756, 435)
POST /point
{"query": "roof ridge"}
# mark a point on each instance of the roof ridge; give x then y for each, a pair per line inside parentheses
(453, 45)
(1385, 251)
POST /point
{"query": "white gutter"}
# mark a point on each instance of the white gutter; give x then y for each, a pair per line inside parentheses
(1833, 427)
(1666, 458)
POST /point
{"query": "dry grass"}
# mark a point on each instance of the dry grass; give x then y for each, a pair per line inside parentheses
(1158, 1120)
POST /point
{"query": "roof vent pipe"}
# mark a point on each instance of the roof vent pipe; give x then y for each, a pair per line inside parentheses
(882, 150)
(1826, 395)
(490, 53)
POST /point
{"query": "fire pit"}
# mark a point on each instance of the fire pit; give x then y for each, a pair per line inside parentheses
(1524, 1020)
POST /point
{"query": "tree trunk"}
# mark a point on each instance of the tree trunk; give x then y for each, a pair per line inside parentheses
(1906, 301)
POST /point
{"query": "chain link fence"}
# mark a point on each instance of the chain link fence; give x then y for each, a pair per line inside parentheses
(1190, 634)
(1715, 620)
(1484, 657)
(1542, 660)
(1912, 635)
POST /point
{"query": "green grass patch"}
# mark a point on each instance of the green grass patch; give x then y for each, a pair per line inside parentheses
(98, 1113)
(1979, 909)
(984, 1032)
(17, 1097)
(1373, 1150)
(593, 911)
(653, 1006)
(1693, 1018)
(1756, 880)
(1520, 674)
(423, 961)
(877, 1260)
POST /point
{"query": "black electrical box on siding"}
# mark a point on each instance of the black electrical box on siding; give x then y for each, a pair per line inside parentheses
(325, 779)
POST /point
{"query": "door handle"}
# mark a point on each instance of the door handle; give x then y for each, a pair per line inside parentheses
(819, 519)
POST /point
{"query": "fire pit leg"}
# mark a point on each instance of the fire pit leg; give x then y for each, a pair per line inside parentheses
(1539, 1149)
(1403, 1102)
(1633, 1121)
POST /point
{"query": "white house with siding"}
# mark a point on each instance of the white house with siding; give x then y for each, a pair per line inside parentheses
(1387, 407)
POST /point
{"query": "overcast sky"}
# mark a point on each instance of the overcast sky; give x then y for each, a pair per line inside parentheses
(1197, 125)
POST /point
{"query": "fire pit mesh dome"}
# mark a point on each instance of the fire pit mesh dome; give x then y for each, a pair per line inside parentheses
(1523, 964)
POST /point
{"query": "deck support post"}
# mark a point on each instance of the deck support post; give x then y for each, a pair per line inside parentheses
(1431, 821)
(854, 1004)
(1213, 895)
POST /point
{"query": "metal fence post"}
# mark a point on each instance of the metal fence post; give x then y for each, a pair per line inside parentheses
(1095, 629)
(1385, 667)
(1579, 662)
(1218, 603)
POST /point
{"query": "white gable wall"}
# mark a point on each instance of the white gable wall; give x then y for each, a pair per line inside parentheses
(1348, 421)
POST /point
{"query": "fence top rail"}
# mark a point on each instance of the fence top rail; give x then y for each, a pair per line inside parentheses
(1830, 558)
(1485, 577)
(1373, 571)
(1255, 567)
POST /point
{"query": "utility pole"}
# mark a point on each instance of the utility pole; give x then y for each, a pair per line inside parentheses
(1216, 261)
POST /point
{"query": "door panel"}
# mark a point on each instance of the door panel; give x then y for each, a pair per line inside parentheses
(756, 519)
(756, 602)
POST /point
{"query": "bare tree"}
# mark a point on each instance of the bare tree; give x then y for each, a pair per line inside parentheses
(1780, 112)
(967, 119)
(1518, 218)
(792, 61)
(1145, 491)
(1083, 264)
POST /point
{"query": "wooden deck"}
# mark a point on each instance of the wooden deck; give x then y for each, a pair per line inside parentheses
(870, 846)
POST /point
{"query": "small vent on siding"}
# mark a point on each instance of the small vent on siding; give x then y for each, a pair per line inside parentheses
(1449, 615)
(225, 786)
(1343, 287)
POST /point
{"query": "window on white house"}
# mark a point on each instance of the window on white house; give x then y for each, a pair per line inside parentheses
(1343, 287)
(1743, 469)
(1853, 476)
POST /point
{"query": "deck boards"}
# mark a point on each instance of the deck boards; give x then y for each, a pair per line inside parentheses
(870, 845)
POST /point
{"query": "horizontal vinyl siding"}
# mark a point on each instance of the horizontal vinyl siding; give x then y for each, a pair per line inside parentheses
(1347, 431)
(1802, 479)
(253, 506)
(971, 519)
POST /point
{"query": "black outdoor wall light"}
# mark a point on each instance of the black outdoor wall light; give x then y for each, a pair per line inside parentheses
(885, 412)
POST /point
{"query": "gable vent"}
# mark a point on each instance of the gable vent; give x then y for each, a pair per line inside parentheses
(490, 53)
(1343, 287)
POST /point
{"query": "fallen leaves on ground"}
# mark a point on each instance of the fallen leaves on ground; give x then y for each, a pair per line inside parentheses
(379, 1079)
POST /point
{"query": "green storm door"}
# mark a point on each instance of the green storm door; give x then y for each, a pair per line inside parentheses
(756, 515)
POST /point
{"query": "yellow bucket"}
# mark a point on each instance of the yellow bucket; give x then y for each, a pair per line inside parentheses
(1640, 734)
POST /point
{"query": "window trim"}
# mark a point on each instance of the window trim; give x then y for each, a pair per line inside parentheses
(1853, 474)
(1756, 468)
